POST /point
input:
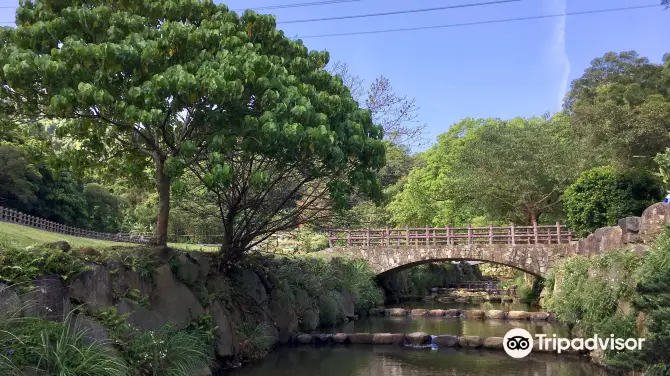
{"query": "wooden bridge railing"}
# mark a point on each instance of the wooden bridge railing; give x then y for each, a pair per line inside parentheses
(552, 234)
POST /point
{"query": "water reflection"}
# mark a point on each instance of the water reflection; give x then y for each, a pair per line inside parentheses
(486, 306)
(447, 325)
(398, 361)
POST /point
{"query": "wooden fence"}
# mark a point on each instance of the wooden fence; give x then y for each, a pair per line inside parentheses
(554, 234)
(13, 216)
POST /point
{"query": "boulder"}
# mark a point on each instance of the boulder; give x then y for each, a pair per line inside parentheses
(253, 286)
(495, 314)
(125, 280)
(361, 338)
(340, 338)
(173, 301)
(472, 342)
(396, 312)
(88, 251)
(93, 287)
(507, 300)
(203, 265)
(652, 221)
(304, 339)
(60, 245)
(417, 338)
(436, 313)
(226, 342)
(92, 332)
(10, 303)
(452, 312)
(610, 238)
(48, 299)
(321, 339)
(283, 311)
(495, 299)
(518, 315)
(139, 316)
(347, 304)
(388, 338)
(474, 314)
(419, 312)
(539, 315)
(493, 343)
(187, 269)
(630, 228)
(447, 340)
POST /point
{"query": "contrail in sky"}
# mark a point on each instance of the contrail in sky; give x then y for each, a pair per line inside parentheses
(559, 52)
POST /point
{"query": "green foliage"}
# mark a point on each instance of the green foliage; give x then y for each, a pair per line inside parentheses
(416, 282)
(601, 196)
(21, 266)
(255, 339)
(64, 353)
(104, 208)
(310, 241)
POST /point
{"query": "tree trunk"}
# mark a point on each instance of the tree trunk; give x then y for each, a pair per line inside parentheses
(163, 215)
(533, 217)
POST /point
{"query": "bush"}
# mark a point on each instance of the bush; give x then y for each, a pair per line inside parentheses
(20, 266)
(601, 196)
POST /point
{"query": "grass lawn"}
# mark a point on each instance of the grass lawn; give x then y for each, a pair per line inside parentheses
(12, 234)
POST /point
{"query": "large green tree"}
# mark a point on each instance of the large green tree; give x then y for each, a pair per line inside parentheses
(620, 109)
(153, 81)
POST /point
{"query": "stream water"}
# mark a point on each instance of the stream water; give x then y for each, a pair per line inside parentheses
(385, 360)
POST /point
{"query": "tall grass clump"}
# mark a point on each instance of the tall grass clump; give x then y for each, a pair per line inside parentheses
(65, 353)
(255, 340)
(167, 352)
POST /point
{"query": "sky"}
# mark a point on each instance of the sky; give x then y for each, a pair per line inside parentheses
(500, 70)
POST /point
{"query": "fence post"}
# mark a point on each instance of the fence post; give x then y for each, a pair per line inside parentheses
(427, 235)
(535, 232)
(387, 236)
(511, 229)
(448, 238)
(558, 232)
(407, 234)
(348, 238)
(367, 237)
(491, 233)
(470, 234)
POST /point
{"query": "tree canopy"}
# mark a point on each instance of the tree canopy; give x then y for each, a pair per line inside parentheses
(183, 84)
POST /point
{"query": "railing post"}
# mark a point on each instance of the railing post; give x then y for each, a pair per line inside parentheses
(535, 232)
(470, 234)
(348, 238)
(448, 237)
(558, 232)
(388, 237)
(427, 235)
(491, 233)
(407, 235)
(367, 237)
(511, 230)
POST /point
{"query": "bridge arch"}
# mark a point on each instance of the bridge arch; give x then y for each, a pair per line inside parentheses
(535, 259)
(423, 262)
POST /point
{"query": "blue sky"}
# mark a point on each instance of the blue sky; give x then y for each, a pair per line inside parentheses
(496, 70)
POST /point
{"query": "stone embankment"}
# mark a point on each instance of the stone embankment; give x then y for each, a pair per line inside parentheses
(468, 314)
(417, 339)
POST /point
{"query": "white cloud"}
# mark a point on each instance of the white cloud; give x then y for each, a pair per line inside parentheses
(559, 54)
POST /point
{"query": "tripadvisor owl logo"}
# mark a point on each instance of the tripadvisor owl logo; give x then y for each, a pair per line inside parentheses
(518, 343)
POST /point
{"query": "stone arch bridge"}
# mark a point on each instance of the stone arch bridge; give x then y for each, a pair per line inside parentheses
(532, 249)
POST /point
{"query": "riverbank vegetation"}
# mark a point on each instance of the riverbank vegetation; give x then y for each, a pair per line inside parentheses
(621, 293)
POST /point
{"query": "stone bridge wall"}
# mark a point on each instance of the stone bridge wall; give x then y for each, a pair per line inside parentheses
(537, 259)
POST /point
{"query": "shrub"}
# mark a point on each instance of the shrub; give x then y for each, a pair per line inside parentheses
(601, 196)
(20, 266)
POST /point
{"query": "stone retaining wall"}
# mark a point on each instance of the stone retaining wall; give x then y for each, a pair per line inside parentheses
(470, 314)
(409, 339)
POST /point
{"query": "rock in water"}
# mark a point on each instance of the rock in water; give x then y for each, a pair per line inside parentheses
(417, 338)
